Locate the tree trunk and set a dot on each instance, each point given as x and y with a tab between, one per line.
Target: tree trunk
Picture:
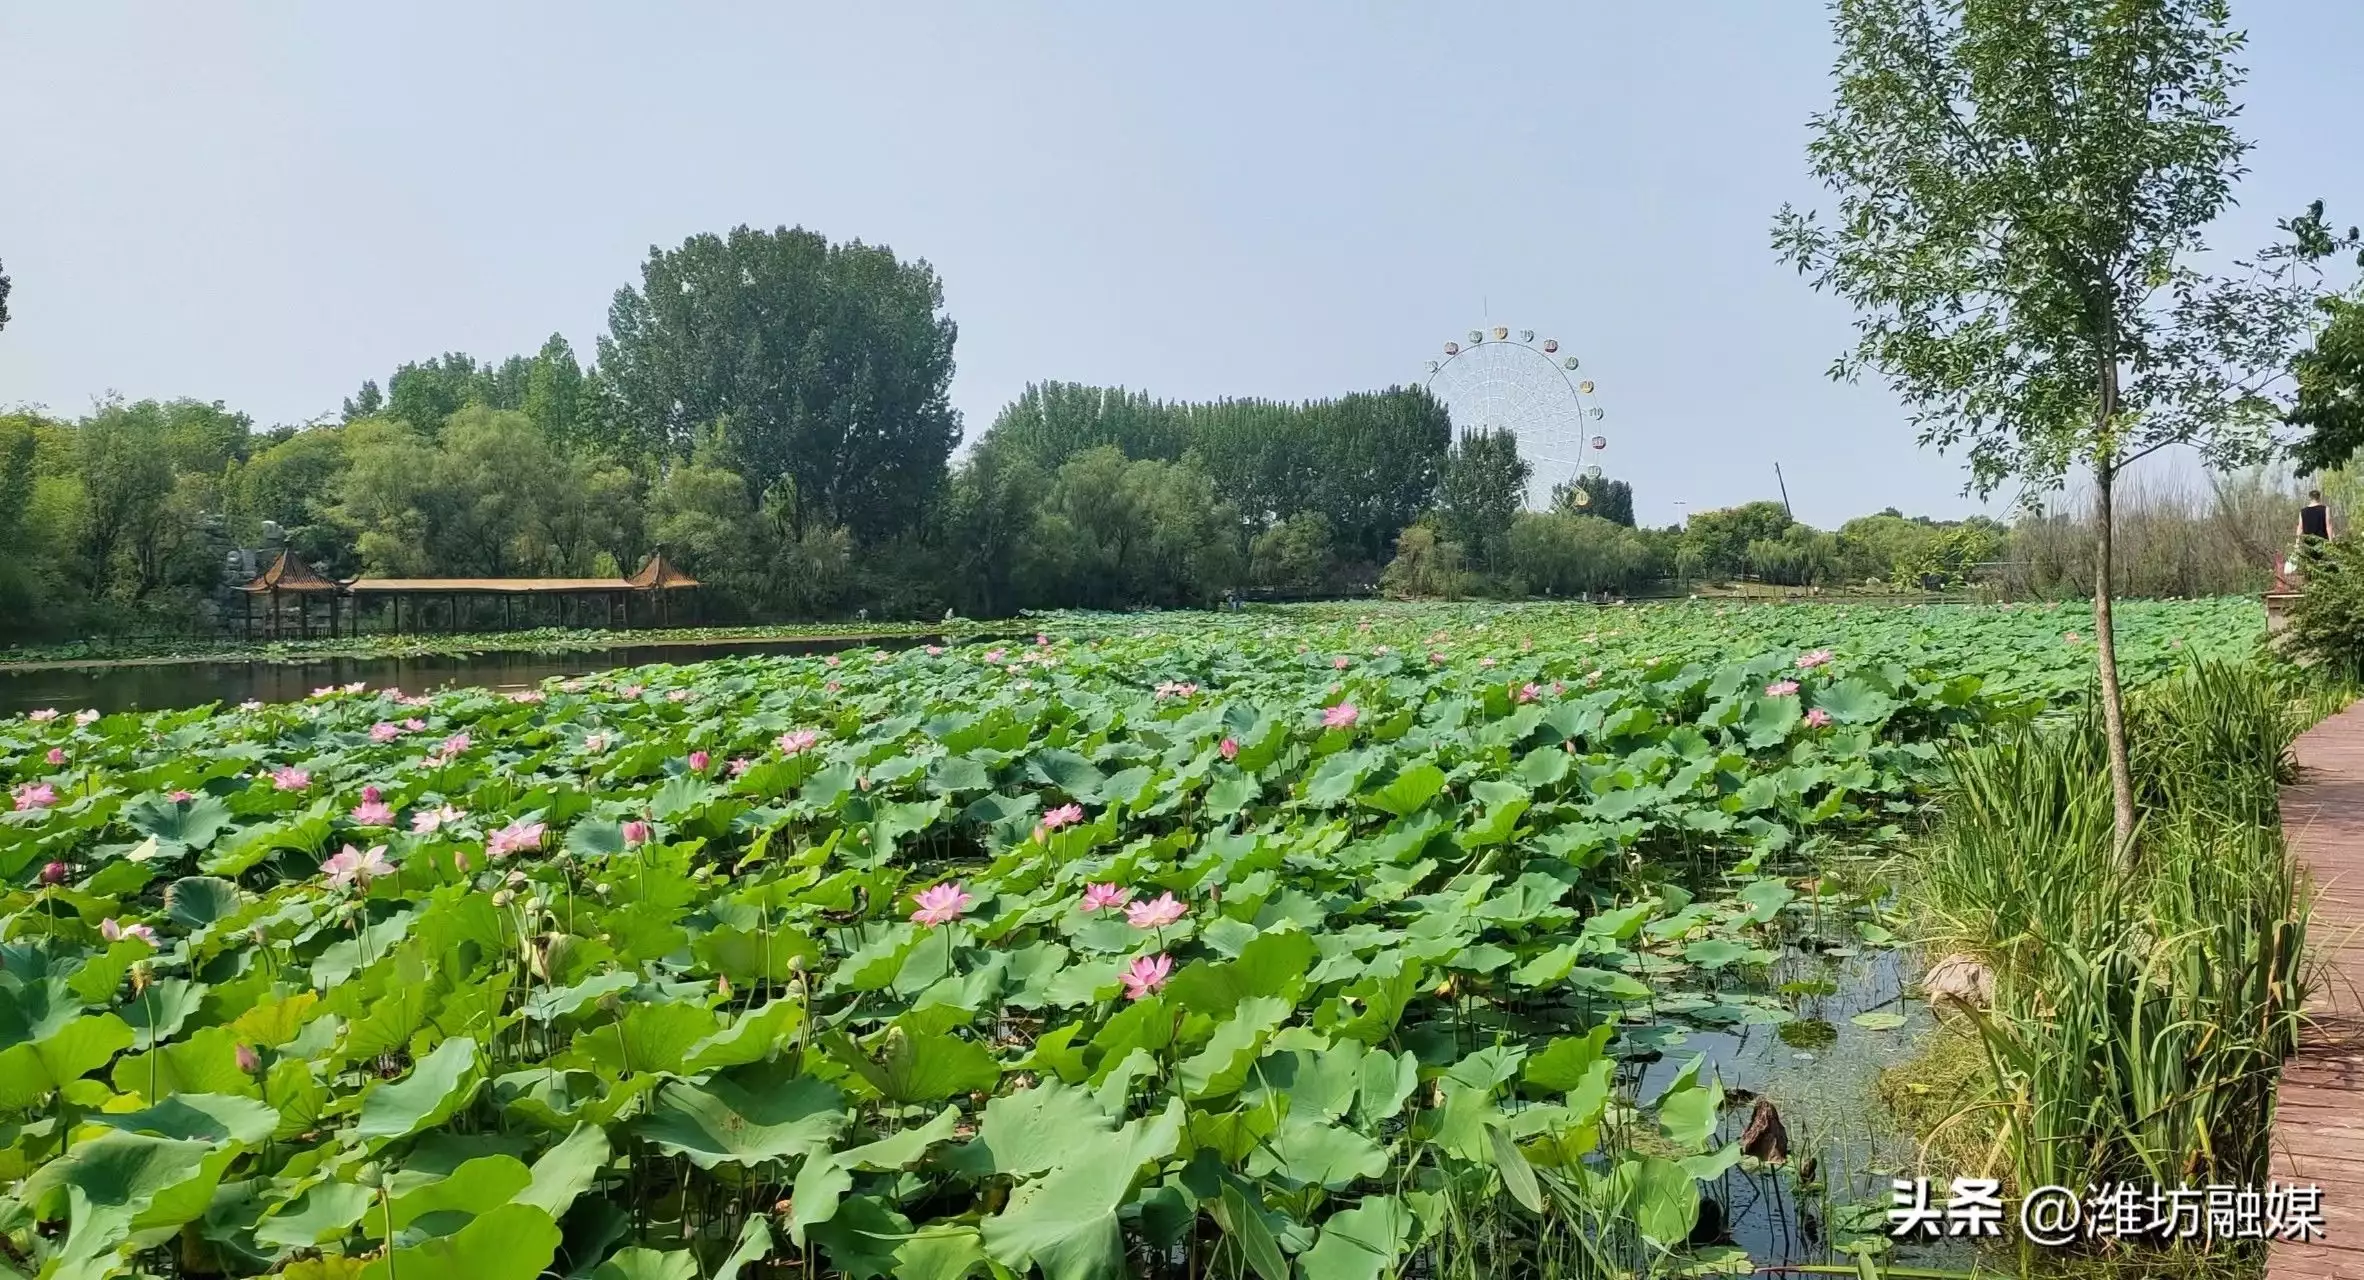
2105	642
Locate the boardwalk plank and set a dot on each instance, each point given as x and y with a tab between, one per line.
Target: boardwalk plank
2319	1116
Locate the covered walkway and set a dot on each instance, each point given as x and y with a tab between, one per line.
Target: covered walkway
410	602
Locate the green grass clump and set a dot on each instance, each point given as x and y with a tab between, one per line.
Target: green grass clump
2143	1005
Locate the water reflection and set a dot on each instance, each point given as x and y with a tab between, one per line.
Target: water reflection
162	686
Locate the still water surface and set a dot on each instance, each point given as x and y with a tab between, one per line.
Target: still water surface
160	686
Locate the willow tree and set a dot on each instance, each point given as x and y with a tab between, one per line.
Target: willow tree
2021	190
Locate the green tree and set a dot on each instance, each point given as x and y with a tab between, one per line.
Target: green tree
1611	500
3	299
829	364
554	393
1425	566
1479	493
1721	538
2022	185
1297	554
2329	405
425	394
125	467
1566	553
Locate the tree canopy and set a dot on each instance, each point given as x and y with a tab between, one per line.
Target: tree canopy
824	366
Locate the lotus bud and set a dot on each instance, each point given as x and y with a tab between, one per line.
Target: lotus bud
635	833
248	1060
54	873
516	878
501	897
724	985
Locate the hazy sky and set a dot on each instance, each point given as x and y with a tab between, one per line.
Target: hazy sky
267	203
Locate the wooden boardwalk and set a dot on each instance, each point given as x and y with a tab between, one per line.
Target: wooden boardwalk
2319	1120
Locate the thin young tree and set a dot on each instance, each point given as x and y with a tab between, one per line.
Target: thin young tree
2022	186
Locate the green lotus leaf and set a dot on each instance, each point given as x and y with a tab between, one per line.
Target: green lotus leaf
1361	1243
436	1088
511	1242
725	1122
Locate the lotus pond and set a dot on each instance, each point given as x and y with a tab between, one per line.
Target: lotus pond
1329	942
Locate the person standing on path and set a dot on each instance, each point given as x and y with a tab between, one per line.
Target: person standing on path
2314	529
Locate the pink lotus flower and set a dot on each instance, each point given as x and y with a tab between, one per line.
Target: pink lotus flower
86	717
1041	640
517	837
1817	717
325	691
373	813
413	725
427	822
251	704
290	778
740	766
248	1060
1103	897
528	696
1435	657
1594	678
1066	815
995	655
1341	716
1781	688
829	661
698	760
941	904
357	686
935	650
595	743
1341	662
832	687
352	865
384	731
1157	913
680	695
181	797
571	686
1818	657
1528	692
635	833
42	716
457	744
631	691
1147	975
57	755
1486	662
55	873
798	741
1228	748
117	931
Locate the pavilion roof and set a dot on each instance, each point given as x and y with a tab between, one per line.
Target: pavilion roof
290	573
658	574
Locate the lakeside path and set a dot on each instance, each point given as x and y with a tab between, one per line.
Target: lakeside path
2319	1118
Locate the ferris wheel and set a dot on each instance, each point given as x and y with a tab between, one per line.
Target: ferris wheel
1497	381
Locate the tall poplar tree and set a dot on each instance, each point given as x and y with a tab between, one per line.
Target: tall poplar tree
2021	190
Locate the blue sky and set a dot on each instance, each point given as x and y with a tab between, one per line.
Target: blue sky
267	203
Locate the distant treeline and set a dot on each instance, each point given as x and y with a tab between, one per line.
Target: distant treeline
773	409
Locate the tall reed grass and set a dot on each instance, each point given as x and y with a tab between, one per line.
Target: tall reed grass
2142	1007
